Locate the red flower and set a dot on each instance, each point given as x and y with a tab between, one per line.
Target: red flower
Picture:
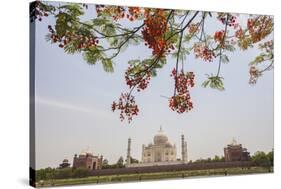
181	102
127	106
219	35
153	32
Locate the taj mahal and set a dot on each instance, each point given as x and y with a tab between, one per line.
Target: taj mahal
161	152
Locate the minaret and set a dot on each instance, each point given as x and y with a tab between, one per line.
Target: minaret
142	156
129	152
183	150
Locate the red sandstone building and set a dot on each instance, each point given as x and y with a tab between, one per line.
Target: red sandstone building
235	152
87	160
64	164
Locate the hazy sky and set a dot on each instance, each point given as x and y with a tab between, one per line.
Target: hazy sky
73	106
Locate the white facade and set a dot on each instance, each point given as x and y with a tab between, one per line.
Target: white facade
161	152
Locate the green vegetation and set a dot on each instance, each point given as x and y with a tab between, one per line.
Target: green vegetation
260	159
153	176
215	159
118	164
263	159
52	173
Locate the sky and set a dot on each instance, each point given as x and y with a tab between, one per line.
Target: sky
73	105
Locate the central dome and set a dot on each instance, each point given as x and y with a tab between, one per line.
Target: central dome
160	138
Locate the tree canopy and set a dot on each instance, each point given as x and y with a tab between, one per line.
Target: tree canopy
168	33
263	159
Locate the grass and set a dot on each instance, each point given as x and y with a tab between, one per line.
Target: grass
153	176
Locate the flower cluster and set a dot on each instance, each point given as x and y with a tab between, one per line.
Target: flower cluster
228	19
119	12
99	8
219	36
183	80
127	106
202	51
244	41
116	12
254	75
140	79
259	28
181	101
134	13
153	32
38	11
267	46
193	28
239	33
81	41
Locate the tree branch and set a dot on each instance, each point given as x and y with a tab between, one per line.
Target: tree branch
269	67
125	41
221	45
177	63
203	24
158	57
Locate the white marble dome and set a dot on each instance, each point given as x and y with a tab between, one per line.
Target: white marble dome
160	138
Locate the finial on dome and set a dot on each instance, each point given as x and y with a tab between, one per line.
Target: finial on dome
234	142
160	128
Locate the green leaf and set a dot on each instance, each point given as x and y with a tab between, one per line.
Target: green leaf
107	65
139	66
133	62
229	47
205	83
134	41
61	24
108	29
100	21
245	43
71	47
113	41
93	55
73	9
162	60
187	37
214	82
224	59
173	38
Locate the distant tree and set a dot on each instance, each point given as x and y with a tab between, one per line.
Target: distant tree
133	160
105	164
270	156
201	160
120	163
177	34
81	172
261	159
216	158
63	173
45	174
